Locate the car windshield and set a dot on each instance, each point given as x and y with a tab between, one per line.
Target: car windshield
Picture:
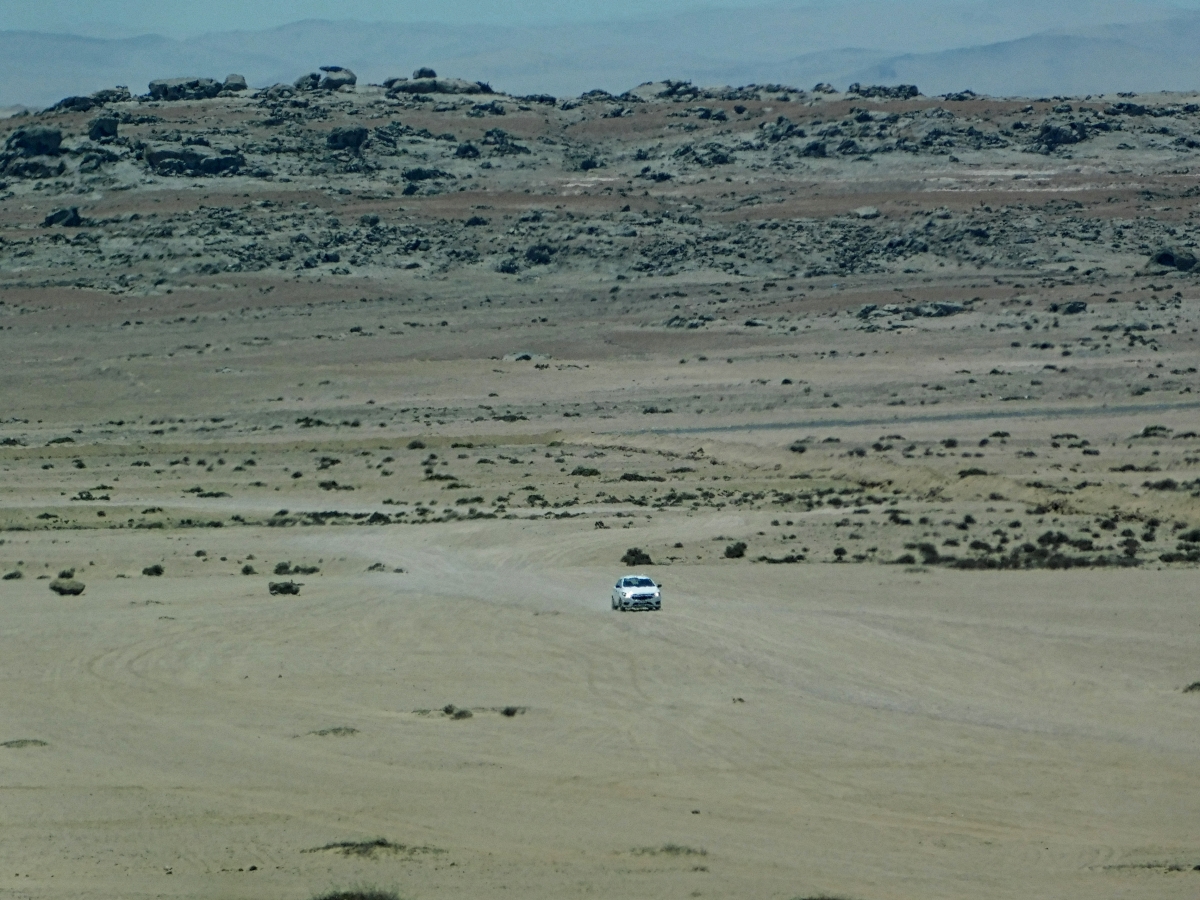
638	582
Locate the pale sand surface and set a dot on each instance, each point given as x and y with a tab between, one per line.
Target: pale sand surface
930	734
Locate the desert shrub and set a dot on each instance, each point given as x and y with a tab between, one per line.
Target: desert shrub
284	587
360	893
636	556
154	570
735	551
248	569
968	473
584	472
14	575
798	447
416	444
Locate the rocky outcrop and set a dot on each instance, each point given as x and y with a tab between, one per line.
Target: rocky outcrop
184	89
350	139
337	77
168	159
37	140
435	86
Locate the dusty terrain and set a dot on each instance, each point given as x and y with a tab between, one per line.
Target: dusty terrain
897	393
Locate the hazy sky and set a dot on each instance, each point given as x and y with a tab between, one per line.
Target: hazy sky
176	18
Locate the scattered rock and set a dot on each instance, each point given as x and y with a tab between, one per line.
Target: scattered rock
351	138
234	83
866	212
166	159
284	587
1174	257
103	128
68	218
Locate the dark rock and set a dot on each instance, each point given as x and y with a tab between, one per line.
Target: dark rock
184	89
75	104
1055	135
824	88
545	99
1174	257
67	587
103	128
351	138
68	218
437	86
467	151
118	94
234	83
882	92
424	72
191	160
284	587
337	77
37	140
1074	308
309	82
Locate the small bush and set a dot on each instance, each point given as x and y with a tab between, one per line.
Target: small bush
968	473
798	447
284	587
363	893
248	569
416	444
1192	688
584	472
636	556
14	575
154	570
67	587
735	551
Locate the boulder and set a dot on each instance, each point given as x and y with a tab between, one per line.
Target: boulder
437	86
67	587
884	92
68	218
337	77
866	212
184	88
234	83
309	82
351	138
424	72
103	128
191	160
37	140
75	104
1174	257
118	94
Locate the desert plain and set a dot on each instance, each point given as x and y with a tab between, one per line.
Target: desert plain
895	395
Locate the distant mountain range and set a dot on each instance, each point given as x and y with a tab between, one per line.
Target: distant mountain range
1021	48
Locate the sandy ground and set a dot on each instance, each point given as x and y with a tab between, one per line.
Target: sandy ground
951	660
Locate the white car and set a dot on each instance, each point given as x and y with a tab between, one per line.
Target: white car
636	592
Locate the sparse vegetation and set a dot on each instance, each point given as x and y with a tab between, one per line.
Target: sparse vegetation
153	571
736	550
636	556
